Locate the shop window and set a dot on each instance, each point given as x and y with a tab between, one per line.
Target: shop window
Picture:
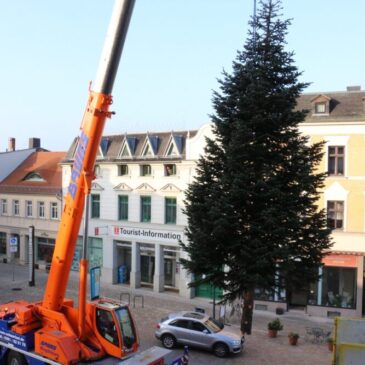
145	209
2	243
123	207
170	170
339	287
122	170
41	210
95	206
16	208
54	211
146	170
336	160
170	210
16	238
44	249
94	252
4	207
335	214
29	208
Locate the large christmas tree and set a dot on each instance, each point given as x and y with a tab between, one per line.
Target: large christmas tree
253	219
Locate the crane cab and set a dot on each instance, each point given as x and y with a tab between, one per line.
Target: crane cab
115	329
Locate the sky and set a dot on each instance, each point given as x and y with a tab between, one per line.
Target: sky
174	53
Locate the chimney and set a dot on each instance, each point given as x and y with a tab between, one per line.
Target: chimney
34	143
353	88
11	144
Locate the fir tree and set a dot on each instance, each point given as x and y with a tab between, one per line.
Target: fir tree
253	219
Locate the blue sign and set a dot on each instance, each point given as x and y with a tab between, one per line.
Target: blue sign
95	274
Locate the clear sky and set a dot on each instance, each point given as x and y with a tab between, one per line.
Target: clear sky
174	53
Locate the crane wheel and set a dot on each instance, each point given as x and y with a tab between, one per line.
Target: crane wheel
15	358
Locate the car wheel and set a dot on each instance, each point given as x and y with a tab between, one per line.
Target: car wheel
168	341
220	349
15	358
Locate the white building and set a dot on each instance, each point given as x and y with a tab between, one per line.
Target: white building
136	219
30	195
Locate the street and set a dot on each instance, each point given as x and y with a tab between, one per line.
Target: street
259	349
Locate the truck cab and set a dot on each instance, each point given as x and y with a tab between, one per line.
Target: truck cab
115	328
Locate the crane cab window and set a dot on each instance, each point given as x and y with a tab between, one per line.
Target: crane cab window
106	326
127	327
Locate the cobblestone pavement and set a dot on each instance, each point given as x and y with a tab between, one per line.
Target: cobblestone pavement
259	349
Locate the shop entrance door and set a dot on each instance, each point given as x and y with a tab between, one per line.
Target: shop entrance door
169	272
147	269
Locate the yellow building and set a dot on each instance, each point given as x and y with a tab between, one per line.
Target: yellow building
338	118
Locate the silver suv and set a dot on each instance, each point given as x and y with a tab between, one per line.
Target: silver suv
198	330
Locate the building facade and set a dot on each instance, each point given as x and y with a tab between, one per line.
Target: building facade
31	196
136	220
338	119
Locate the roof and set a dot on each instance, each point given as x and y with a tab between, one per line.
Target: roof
112	146
10	160
45	166
343	105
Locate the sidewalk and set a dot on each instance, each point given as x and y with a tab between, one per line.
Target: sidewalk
259	350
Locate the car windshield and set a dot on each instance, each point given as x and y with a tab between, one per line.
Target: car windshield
210	323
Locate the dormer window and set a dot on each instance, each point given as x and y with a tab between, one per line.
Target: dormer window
321	105
320	108
34	176
170	169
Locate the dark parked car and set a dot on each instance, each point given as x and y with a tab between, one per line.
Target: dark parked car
198	330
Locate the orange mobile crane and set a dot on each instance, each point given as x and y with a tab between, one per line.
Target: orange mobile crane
54	331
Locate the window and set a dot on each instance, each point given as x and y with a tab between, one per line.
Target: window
105	325
197	326
2	243
95	206
44	249
29	208
146	170
335	213
170	169
336	160
54	211
123	207
320	108
41	210
97	170
338	288
145	209
33	176
170	210
16	207
4	207
122	170
181	323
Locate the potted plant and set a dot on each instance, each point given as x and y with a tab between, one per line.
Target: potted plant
293	338
330	343
274	326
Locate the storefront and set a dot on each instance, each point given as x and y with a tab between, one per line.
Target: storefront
147	257
339	290
171	265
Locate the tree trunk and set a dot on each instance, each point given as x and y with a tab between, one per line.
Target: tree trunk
247	312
